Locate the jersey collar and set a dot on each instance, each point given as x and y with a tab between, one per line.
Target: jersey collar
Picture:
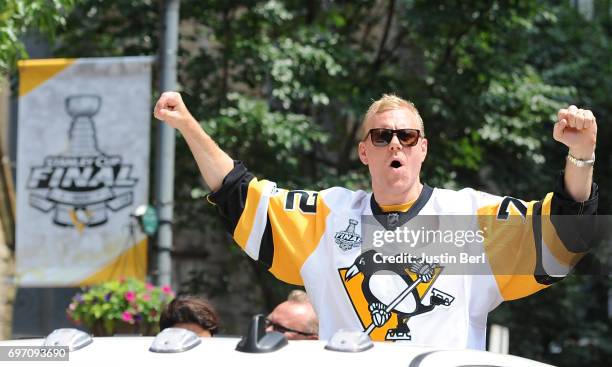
392	220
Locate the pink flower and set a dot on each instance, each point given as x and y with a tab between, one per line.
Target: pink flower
166	289
130	296
149	286
127	317
146	297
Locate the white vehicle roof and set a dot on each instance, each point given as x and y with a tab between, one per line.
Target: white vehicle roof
221	351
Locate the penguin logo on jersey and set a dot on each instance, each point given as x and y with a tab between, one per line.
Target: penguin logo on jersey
348	239
386	295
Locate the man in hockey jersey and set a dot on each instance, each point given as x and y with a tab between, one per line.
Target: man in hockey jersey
315	238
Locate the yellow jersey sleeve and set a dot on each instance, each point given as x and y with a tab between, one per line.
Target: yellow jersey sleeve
524	247
277	227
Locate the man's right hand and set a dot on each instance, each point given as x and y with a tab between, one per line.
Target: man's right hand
171	109
214	164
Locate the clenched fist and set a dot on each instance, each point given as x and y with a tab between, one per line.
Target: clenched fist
577	129
171	109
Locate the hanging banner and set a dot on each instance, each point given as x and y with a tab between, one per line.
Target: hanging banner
82	169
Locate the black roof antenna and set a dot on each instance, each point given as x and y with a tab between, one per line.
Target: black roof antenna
258	341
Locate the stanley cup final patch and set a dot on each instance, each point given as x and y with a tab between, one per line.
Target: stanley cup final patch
80	184
348	239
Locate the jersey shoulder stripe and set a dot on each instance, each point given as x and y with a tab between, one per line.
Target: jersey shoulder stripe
297	225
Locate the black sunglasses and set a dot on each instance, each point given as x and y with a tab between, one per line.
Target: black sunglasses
382	137
281	329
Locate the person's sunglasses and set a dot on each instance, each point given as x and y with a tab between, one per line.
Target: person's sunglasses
281	329
382	137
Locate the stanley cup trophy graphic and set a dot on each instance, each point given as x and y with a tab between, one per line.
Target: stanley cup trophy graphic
348	238
82	133
83	182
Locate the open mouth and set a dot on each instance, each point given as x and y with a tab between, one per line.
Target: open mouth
396	164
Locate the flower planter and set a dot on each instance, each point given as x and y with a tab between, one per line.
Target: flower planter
124	306
124	328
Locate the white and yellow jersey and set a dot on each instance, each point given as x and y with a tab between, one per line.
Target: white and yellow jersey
314	239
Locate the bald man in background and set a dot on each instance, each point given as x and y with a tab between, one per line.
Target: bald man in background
296	318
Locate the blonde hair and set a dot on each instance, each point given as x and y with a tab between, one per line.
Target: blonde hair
386	103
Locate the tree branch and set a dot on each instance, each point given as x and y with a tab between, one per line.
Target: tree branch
226	51
390	11
312	8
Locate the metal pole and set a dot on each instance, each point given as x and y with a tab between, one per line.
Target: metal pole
164	162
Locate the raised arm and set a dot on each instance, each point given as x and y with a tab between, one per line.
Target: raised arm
214	163
577	129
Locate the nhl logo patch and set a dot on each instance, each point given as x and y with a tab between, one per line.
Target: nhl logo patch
392	220
348	238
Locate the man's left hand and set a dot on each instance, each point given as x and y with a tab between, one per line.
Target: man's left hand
577	129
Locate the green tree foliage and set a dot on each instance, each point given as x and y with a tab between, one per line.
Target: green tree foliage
283	86
19	16
574	326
